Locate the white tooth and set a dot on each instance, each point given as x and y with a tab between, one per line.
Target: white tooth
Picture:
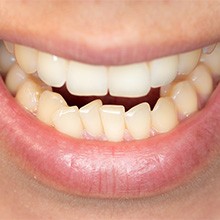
9	46
202	81
26	58
113	121
213	60
138	121
52	69
67	121
28	95
6	60
188	61
91	118
15	78
164	115
163	70
209	49
129	80
49	103
185	98
85	80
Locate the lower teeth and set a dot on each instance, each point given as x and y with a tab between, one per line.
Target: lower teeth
179	99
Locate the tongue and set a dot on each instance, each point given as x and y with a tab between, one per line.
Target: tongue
80	101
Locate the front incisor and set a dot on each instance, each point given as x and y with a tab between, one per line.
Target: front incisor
91	118
138	121
113	121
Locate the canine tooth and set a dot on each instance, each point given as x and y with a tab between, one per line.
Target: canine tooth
188	61
113	121
67	120
202	81
129	80
209	49
164	115
9	46
85	80
185	98
138	121
49	103
52	69
163	70
14	78
28	95
26	58
91	118
6	60
212	60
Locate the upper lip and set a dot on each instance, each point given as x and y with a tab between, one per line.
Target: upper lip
105	54
109	47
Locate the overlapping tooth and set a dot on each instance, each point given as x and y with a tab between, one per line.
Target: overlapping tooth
113	121
188	61
52	69
91	118
85	79
15	78
49	103
163	70
6	59
28	94
164	115
129	80
185	98
138	121
26	58
212	60
67	120
202	80
9	46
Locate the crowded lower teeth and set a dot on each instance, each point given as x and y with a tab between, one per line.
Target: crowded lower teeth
186	81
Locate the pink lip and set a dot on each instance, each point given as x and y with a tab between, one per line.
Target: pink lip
105	169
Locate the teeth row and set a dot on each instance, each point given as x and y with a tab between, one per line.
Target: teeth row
178	100
81	79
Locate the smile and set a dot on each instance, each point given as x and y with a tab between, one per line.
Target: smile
110	130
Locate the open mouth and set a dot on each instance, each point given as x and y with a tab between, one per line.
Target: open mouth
110	131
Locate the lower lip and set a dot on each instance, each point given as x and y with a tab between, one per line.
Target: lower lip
104	169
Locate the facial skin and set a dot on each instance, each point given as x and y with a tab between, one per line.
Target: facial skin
104	32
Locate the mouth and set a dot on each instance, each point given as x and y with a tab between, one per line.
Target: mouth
122	131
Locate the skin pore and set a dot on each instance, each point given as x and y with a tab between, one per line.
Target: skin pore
109	32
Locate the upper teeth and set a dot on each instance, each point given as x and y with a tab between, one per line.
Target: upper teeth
133	80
